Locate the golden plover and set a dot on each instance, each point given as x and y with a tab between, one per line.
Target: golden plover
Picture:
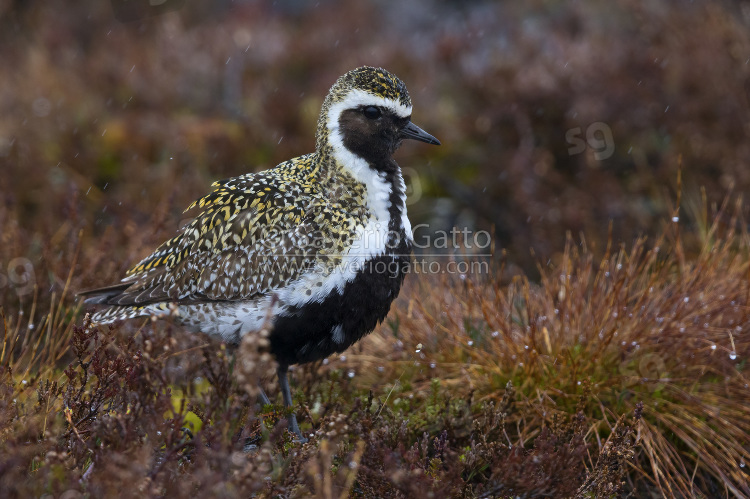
320	243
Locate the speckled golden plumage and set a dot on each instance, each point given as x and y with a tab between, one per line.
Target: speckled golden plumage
253	231
252	236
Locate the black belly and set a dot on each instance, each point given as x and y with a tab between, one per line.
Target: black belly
304	334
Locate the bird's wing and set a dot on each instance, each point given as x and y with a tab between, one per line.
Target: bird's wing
252	236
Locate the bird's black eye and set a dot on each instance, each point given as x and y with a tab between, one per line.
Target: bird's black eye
372	112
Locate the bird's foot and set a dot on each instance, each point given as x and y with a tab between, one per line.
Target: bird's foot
294	428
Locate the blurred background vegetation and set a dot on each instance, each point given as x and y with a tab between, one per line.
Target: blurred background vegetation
111	126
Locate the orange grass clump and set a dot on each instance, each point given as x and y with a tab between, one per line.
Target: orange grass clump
646	324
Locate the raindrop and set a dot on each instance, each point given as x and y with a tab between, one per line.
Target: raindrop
470	342
41	107
381	369
675	219
732	355
433	365
350	374
686	299
682	329
495	334
325	362
342	358
713	347
742	464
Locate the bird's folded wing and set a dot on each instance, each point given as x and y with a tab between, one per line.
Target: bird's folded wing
251	237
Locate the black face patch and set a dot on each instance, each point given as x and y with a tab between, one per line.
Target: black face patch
374	139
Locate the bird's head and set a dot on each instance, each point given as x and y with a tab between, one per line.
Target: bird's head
367	113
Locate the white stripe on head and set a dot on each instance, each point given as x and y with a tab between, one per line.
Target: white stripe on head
358	98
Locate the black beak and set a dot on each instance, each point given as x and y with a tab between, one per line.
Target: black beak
412	131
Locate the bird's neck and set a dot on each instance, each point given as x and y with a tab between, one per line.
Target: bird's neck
384	185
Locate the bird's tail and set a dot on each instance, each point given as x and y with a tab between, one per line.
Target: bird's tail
102	296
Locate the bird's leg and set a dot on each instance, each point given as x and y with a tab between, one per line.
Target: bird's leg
262	397
287	396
